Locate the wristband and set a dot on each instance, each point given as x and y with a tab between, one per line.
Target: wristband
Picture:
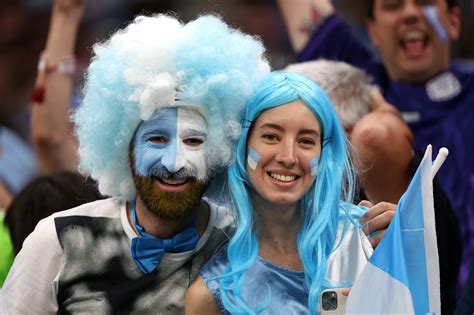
65	66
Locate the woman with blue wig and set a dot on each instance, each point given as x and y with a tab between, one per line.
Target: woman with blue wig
291	185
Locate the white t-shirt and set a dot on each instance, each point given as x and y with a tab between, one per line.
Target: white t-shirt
79	260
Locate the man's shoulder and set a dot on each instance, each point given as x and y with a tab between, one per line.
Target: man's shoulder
221	216
463	67
220	229
100	208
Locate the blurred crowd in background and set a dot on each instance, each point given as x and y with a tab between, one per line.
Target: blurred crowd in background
24	30
24	25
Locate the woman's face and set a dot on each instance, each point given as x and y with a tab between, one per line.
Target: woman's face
283	151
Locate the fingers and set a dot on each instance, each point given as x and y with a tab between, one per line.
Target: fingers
376	220
345	291
376	211
366	203
380	222
375	240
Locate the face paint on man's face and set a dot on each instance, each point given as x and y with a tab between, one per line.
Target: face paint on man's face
313	165
432	15
252	158
168	162
171	145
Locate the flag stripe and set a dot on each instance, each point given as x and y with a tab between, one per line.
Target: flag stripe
404	269
382	296
431	248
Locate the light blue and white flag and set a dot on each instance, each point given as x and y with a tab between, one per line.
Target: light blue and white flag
402	275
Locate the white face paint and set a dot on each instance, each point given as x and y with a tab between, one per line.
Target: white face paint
432	15
313	165
172	140
252	158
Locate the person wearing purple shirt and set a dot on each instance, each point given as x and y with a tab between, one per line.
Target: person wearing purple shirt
415	73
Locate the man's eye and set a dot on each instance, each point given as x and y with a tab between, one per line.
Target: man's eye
193	142
158	140
392	4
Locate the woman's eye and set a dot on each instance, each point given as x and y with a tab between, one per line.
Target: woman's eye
158	140
193	142
308	142
270	137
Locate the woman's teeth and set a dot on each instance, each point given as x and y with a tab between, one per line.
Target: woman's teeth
282	178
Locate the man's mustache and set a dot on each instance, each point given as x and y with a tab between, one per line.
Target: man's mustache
162	172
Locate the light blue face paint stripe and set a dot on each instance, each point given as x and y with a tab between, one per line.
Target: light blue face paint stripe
253	158
169	158
432	15
147	155
313	165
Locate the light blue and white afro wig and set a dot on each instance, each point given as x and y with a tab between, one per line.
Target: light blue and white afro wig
154	60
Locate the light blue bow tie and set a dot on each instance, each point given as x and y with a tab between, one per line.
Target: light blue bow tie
148	250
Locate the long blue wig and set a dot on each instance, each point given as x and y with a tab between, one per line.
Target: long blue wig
321	204
148	65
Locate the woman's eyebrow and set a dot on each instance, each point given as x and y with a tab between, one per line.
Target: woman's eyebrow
280	128
272	125
309	131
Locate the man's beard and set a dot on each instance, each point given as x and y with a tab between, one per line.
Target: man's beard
169	205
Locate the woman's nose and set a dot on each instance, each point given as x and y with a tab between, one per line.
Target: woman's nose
286	154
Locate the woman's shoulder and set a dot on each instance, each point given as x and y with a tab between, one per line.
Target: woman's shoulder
216	265
199	299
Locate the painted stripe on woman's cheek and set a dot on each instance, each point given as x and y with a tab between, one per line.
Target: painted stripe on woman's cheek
313	165
253	158
432	15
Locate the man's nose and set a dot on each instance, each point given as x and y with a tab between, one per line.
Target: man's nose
170	160
411	11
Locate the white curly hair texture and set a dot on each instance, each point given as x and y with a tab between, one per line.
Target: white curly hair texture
206	64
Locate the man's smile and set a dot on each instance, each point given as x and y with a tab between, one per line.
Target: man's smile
172	185
414	43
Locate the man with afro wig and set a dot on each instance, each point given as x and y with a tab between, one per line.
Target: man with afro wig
160	113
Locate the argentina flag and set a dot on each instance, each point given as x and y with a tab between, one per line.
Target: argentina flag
402	275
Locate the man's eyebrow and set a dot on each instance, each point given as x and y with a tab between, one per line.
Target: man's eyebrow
194	131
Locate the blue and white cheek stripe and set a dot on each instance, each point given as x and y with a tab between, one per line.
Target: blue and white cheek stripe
253	158
432	15
313	166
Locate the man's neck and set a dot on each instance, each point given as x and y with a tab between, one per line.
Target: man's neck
166	228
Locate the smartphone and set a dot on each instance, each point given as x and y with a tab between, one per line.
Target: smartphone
332	301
